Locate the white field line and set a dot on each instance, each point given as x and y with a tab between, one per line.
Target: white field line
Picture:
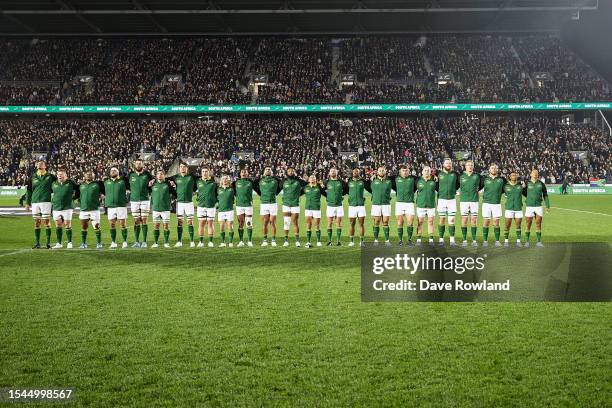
582	211
15	252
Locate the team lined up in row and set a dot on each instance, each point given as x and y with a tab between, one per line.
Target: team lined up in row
54	195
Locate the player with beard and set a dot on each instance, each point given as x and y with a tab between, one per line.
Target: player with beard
139	202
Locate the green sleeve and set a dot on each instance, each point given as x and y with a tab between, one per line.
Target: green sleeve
29	191
545	195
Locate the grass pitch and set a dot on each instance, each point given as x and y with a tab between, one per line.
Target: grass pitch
286	327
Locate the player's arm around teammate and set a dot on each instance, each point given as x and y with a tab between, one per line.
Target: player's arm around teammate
536	193
226	197
207	201
115	201
405	185
426	204
448	184
312	208
356	209
64	192
90	192
185	185
244	188
381	203
38	200
162	191
513	191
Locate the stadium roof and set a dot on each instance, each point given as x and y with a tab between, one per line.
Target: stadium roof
220	17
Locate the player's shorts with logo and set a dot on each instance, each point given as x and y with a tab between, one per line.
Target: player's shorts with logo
93	216
140	207
530	211
163	216
117	213
426	212
380	210
226	216
185	210
65	215
292	210
268	209
447	207
491	210
42	210
404	209
335	211
312	213
244	210
357	211
469	208
513	214
205	213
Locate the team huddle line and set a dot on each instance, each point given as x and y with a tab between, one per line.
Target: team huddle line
417	197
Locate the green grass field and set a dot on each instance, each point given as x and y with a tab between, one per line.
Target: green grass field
286	327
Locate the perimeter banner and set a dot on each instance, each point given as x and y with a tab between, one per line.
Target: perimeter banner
574	272
307	108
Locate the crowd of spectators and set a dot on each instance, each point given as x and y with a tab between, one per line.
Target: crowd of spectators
217	70
311	144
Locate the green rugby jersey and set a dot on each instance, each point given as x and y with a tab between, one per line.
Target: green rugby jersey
161	195
292	190
38	188
63	194
244	192
404	188
335	191
89	195
185	187
470	185
312	195
356	192
448	184
381	191
139	185
225	197
514	196
426	193
115	192
268	187
493	189
207	193
535	193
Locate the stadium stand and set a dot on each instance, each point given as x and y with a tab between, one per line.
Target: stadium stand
218	70
311	144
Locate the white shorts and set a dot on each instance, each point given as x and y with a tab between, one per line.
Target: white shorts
163	216
469	208
530	211
332	211
66	215
226	216
447	207
205	213
426	212
292	210
378	210
117	213
357	211
268	209
404	209
41	210
491	210
513	214
185	210
93	216
244	210
312	213
140	207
